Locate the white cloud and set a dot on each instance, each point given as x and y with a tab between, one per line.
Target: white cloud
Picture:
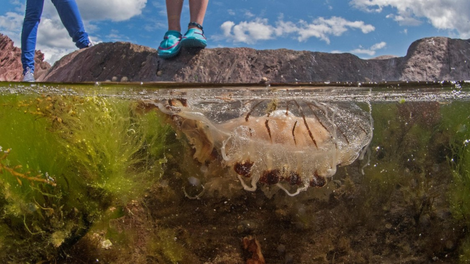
321	28
52	55
248	14
114	35
54	34
10	25
283	27
227	28
378	46
53	39
407	20
248	32
441	14
11	21
115	10
370	51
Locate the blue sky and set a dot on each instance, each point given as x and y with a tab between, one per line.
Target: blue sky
366	28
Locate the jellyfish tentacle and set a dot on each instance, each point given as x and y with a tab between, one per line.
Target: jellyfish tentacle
223	151
195	197
245	186
299	190
366	149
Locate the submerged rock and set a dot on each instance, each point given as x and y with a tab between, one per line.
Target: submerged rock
428	59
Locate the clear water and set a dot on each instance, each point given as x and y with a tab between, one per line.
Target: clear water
98	173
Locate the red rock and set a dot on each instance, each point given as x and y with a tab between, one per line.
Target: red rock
10	61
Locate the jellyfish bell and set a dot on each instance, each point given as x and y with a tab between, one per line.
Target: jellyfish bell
291	144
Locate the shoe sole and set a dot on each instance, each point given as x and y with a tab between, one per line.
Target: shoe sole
167	56
170	55
193	43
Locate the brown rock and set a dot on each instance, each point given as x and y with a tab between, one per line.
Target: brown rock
429	59
106	61
437	59
10	61
252	247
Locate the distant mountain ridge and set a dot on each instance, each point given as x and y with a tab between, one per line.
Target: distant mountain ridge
427	59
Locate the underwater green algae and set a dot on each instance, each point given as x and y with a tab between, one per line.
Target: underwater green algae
458	126
397	211
403	194
64	161
400	155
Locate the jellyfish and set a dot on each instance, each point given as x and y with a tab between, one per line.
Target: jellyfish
291	143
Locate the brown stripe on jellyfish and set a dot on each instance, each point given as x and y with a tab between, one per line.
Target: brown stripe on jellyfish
252	109
293	133
269	130
306	124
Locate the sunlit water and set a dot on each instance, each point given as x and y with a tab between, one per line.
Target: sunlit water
169	173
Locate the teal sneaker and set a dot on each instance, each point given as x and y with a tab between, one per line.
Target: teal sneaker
194	38
170	46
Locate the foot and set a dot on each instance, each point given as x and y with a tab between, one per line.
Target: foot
84	43
90	43
29	76
194	38
170	46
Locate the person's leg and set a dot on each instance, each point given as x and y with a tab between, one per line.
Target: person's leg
197	11
31	21
170	46
194	37
173	10
70	17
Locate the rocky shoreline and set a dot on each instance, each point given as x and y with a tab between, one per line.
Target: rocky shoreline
427	59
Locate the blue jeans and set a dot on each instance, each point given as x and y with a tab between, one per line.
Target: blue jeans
70	17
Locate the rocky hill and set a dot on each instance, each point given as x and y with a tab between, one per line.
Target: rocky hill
10	61
428	59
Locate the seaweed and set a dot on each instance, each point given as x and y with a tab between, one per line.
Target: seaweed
64	161
457	125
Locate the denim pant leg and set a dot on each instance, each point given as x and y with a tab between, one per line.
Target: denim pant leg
29	32
70	16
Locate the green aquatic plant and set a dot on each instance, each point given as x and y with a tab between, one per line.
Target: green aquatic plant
457	125
402	160
64	161
18	175
107	140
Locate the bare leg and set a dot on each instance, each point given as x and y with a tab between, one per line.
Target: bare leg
173	9
197	11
